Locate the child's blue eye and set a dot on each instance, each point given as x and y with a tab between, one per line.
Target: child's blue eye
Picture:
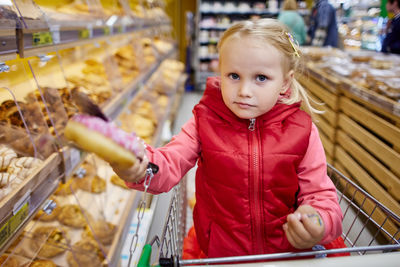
261	78
234	76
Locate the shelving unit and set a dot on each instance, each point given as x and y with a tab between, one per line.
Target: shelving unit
214	17
38	44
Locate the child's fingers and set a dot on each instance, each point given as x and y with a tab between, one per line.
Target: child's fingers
313	224
296	229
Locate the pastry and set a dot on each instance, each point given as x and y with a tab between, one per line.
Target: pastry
49	240
72	215
67	188
6	156
104	139
7	261
7	183
115	179
93	184
42	263
85	252
100	230
24	166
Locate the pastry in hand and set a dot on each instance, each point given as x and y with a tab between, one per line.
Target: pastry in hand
104	139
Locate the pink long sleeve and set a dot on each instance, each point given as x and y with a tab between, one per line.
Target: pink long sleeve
317	189
174	159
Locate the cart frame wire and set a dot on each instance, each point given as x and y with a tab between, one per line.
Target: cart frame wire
368	227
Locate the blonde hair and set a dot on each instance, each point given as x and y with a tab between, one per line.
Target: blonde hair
289	5
275	33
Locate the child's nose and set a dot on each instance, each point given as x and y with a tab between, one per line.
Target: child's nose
245	89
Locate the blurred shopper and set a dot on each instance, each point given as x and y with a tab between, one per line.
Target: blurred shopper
391	42
293	20
323	30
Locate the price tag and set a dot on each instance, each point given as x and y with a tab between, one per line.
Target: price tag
42	38
8	229
107	30
84	34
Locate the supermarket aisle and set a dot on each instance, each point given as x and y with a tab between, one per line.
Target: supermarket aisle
185	111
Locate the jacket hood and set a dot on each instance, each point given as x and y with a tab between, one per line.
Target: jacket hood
212	98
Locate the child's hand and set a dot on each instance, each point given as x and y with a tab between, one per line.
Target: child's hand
304	228
133	174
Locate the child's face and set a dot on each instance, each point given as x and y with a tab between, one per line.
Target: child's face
251	76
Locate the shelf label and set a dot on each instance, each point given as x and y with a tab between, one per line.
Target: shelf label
42	38
84	34
107	30
8	229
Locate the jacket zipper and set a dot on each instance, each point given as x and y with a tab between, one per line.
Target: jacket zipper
258	236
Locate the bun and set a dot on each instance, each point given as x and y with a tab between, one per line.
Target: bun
72	215
85	252
42	263
93	184
100	230
55	241
8	261
104	139
6	156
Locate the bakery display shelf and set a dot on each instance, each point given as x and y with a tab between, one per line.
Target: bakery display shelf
17	209
115	107
32	42
42	183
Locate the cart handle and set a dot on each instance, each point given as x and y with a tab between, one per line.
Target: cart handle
144	260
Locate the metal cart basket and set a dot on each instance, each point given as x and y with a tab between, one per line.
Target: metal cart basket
368	227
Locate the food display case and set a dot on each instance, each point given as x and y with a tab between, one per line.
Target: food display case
67	207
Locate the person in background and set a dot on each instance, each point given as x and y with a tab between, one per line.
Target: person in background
391	42
323	29
261	182
291	18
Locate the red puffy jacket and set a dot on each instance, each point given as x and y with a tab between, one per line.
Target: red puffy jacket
246	180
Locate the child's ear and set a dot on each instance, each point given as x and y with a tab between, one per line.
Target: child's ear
287	81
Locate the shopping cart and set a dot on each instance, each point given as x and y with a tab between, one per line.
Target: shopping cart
368	228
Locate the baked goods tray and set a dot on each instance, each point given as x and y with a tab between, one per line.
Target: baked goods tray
17	208
115	205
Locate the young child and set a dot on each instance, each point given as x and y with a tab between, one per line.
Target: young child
261	181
